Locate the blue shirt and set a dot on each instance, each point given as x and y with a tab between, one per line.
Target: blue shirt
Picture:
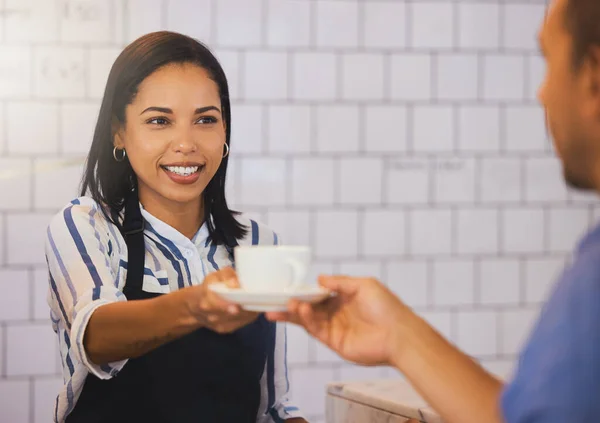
558	375
87	266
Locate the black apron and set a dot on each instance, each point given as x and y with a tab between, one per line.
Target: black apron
200	377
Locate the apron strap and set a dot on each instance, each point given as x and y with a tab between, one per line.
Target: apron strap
133	231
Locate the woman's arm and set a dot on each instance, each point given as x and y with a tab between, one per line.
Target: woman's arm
121	330
130	329
103	327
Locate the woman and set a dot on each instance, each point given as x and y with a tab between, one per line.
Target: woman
141	337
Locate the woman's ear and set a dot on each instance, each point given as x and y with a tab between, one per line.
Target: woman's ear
118	140
118	136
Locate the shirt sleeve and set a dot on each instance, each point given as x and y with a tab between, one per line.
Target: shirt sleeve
276	385
81	278
557	377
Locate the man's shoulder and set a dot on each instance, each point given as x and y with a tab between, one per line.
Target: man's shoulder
552	377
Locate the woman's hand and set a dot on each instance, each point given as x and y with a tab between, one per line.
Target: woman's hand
212	311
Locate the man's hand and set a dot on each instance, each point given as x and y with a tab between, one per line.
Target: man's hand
360	323
366	324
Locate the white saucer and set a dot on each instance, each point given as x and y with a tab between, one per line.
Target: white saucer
269	300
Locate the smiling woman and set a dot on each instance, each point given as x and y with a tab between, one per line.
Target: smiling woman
141	336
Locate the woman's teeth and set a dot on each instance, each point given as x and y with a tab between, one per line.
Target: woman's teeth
183	171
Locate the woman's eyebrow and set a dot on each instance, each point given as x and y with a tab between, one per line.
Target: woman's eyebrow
169	111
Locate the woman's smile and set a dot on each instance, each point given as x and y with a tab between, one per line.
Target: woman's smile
183	173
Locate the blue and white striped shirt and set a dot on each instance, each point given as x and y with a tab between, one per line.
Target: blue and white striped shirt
87	263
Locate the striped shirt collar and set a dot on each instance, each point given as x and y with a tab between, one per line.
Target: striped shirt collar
160	228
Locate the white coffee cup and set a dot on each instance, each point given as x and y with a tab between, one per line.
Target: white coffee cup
271	267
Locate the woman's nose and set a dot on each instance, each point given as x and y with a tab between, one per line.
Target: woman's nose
184	144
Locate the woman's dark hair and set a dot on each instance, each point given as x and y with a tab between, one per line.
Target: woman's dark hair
583	22
109	182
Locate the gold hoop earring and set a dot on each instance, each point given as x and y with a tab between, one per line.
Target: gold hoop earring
226	150
122	155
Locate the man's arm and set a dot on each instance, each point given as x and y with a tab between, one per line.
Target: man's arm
365	323
451	382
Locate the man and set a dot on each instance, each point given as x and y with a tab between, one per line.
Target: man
558	376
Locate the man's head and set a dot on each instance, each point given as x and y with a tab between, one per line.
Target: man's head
570	93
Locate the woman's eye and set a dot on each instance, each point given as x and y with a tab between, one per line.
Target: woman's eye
207	119
158	121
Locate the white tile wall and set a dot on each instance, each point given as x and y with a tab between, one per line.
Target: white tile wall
433	137
334	137
384	233
503	77
304	85
409	280
313	181
288	23
410	76
44	390
16	67
337	23
30	21
500	180
100	61
407	181
432	25
430	232
247	136
180	18
360	180
59	72
453	282
312	401
499	281
39	295
479	25
31	350
386	128
522	34
19	194
523	230
265	76
515	327
478	332
14	302
384	24
2	240
76	126
479	128
290	129
399	139
525	129
86	21
25	234
55	187
455	180
477	231
23	135
540	275
362	76
457	76
238	24
15	400
336	234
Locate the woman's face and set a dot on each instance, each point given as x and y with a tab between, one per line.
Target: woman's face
174	134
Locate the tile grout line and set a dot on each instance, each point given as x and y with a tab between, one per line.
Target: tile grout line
31	399
4	363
